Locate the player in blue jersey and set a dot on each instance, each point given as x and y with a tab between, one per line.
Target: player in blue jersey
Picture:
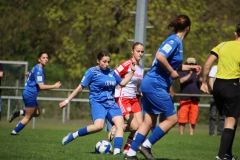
101	82
34	84
155	86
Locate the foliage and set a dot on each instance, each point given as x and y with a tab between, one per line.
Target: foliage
74	31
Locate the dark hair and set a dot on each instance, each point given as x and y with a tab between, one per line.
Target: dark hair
135	44
102	54
237	30
179	23
41	53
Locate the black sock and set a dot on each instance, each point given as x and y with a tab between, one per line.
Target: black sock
226	139
229	150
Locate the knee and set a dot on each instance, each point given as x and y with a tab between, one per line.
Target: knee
134	127
98	128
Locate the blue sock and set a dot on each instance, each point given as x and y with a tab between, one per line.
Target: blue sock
83	131
137	141
118	141
18	127
157	134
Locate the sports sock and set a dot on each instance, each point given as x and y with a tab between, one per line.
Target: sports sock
157	134
118	141
128	143
225	141
229	150
138	140
22	112
18	128
82	132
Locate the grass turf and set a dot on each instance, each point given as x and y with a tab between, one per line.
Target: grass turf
44	142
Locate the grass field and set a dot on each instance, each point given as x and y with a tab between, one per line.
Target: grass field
44	142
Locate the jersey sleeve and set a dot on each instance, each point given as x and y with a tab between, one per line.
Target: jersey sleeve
168	47
87	78
218	47
213	72
122	69
38	75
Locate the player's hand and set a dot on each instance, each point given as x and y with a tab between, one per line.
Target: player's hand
197	69
204	88
174	74
58	84
27	74
133	67
62	104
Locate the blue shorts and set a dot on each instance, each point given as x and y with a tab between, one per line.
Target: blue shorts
98	111
29	99
158	103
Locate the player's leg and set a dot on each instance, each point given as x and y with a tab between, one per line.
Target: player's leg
98	113
29	111
137	120
115	115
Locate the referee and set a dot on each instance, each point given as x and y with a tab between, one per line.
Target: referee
226	89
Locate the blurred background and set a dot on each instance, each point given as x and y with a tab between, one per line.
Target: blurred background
73	32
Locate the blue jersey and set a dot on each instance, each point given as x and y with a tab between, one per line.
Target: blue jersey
157	77
101	84
36	76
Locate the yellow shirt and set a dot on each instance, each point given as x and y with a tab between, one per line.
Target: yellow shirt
228	60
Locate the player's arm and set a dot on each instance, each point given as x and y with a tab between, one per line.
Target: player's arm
162	60
210	82
129	76
43	86
71	96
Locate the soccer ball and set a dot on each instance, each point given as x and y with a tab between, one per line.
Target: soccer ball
103	147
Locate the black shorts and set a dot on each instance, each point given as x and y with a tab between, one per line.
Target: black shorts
226	94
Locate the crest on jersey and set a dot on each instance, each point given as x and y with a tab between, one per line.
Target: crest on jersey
39	78
110	75
120	68
167	48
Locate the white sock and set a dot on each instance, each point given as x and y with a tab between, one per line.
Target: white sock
75	134
21	112
147	144
131	152
116	151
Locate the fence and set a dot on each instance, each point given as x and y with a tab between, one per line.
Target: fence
66	110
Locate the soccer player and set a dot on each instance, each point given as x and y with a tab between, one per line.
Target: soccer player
126	96
34	84
155	87
226	89
101	82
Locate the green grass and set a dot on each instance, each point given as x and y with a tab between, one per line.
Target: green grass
44	143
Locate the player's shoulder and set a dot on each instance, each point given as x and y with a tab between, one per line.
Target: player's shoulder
126	63
38	68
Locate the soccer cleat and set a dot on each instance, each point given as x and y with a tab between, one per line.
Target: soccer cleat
12	134
14	115
67	139
111	133
126	148
146	152
229	157
217	158
130	157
